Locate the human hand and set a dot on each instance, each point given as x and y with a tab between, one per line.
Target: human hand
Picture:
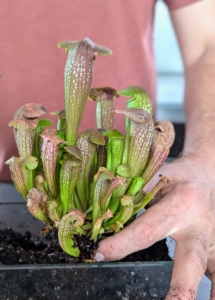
186	213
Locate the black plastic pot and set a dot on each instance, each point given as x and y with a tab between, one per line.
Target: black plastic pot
84	281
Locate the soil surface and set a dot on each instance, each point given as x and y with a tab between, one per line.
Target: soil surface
16	248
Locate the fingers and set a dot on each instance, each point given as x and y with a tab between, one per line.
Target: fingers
210	272
212	277
150	227
190	262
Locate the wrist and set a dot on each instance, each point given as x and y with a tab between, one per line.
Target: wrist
203	154
199	141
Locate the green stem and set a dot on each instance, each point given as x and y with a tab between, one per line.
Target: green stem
103	189
127	142
87	226
117	195
31	180
69	175
37	149
135	186
89	210
99	114
150	195
109	157
108	225
76	201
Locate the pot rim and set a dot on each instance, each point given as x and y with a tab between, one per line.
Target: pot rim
87	265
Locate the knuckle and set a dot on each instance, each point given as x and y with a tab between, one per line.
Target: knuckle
189	196
197	259
144	235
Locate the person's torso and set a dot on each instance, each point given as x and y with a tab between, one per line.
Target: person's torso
33	66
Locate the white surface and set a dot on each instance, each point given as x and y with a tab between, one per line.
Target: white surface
170	85
170	88
168	58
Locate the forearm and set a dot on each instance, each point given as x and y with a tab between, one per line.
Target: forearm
199	105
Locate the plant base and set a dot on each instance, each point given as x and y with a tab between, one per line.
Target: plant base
119	280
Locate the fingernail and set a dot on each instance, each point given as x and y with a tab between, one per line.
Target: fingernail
99	256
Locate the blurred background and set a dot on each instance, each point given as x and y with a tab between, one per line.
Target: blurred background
170	91
169	67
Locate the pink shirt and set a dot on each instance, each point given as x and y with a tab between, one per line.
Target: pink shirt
33	66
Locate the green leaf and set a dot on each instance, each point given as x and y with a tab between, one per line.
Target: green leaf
77	81
124	171
41	124
74	151
140	98
30	162
135	186
114	134
67	227
44	123
61	135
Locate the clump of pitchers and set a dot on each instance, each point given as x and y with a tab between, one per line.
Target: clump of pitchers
93	183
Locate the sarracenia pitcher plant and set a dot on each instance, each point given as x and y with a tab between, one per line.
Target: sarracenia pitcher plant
91	184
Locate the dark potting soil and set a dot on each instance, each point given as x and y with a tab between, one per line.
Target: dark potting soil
16	248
